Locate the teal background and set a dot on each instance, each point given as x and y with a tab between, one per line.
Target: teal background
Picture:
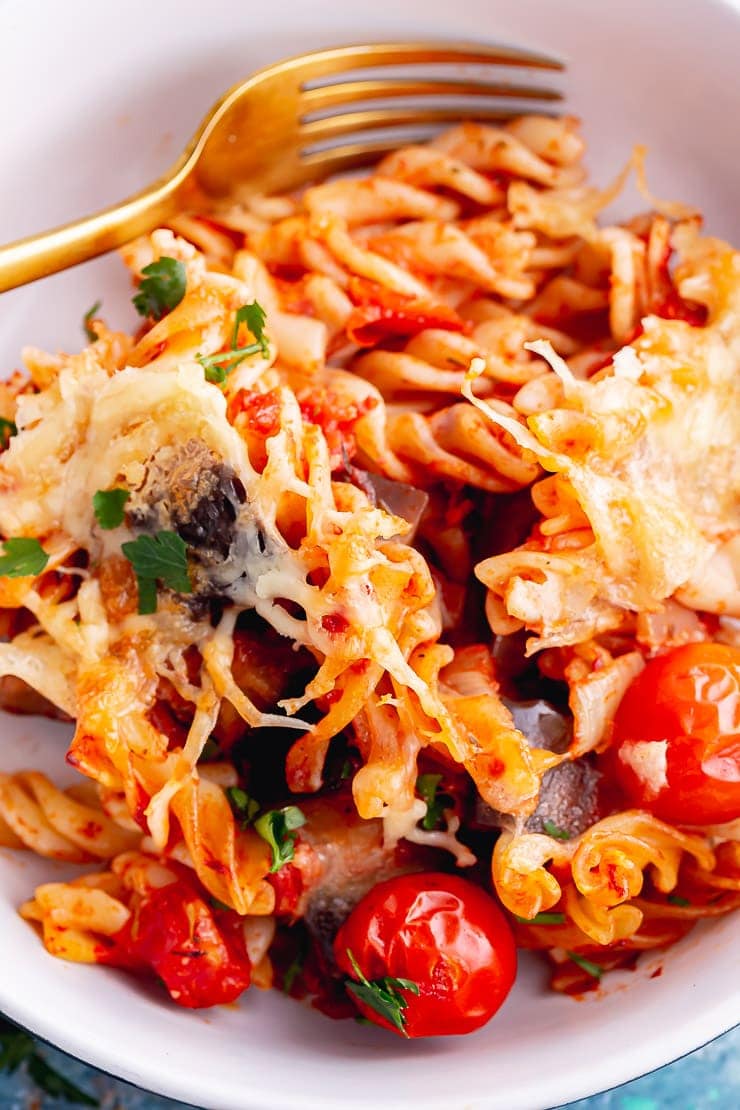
708	1079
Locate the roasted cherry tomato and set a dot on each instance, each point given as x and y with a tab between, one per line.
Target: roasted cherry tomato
199	954
435	934
677	736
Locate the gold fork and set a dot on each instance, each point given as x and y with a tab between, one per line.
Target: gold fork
266	135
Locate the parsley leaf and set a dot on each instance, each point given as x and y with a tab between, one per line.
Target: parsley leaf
21	557
542	919
253	315
292	972
277	827
108	507
147	588
244	807
88	318
678	900
218	905
217	367
345	771
162	287
8	428
214	373
587	965
162	557
427	786
555	831
17	1047
49	1080
382	995
211	750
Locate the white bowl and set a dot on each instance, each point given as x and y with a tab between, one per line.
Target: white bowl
97	99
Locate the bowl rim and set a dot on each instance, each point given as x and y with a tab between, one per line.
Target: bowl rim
621	1066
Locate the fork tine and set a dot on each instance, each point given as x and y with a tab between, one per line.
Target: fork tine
317	130
348	157
325	63
345	92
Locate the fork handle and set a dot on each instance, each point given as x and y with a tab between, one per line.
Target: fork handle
37	256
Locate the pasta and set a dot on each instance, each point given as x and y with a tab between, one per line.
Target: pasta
350	563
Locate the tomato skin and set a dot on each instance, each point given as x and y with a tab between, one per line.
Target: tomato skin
443	933
688	701
381	314
198	953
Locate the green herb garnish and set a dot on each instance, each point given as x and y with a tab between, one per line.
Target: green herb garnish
17	1047
278	828
158	558
346	770
382	995
244	807
555	831
217	367
211	750
88	318
253	315
218	905
588	966
292	972
678	900
162	288
427	787
147	588
108	507
8	428
542	919
21	557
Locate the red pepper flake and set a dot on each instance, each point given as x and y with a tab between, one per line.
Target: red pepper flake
496	767
335	624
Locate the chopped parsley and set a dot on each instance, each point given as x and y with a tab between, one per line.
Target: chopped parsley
595	970
278	827
427	787
678	900
218	905
555	831
245	809
8	428
253	315
292	971
217	367
211	750
108	505
88	318
21	557
158	558
542	919
382	995
345	771
18	1047
161	289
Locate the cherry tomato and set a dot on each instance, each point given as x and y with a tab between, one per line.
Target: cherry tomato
442	934
199	954
677	736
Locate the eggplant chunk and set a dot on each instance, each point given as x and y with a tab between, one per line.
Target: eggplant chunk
569	795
